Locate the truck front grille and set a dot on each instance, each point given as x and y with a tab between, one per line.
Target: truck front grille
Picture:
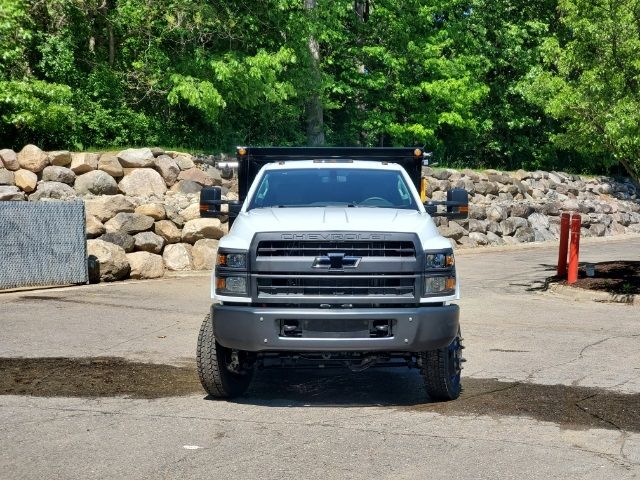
336	286
282	248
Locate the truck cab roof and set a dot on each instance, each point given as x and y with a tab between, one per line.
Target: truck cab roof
331	163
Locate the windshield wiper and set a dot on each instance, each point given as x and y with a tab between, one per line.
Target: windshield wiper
348	205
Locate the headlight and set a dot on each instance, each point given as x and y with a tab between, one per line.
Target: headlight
439	285
231	285
232	260
440	274
230	274
437	261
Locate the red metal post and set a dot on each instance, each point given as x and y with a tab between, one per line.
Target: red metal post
564	245
574	249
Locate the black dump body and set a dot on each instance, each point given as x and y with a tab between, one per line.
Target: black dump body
252	159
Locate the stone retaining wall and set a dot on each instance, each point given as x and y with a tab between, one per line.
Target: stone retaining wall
516	207
142	205
143	216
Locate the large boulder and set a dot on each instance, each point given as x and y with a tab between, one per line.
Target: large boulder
142	182
83	162
184	161
168	168
124	240
196	175
178	257
7	177
453	230
93	226
109	163
597	230
199	228
136	158
204	254
539	221
32	158
53	190
107	207
496	213
149	242
153	210
186	186
145	265
480	226
107	261
478	238
521	210
511	224
10	192
9	159
174	215
215	175
494	239
96	182
168	230
191	212
525	234
129	223
60	158
55	173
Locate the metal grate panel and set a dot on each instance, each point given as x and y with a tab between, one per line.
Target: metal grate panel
278	248
42	243
336	286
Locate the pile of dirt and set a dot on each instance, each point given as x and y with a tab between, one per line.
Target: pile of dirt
619	277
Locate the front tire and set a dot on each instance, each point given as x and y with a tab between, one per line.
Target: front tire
214	362
441	371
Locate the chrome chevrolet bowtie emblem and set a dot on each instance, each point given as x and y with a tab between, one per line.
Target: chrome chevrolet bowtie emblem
336	261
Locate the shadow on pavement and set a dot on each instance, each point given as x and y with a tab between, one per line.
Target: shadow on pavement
400	389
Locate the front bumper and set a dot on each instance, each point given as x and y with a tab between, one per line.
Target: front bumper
258	329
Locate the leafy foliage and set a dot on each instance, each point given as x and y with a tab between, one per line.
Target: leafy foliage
589	80
505	83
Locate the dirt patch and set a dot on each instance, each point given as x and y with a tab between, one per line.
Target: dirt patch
571	407
619	278
94	377
567	406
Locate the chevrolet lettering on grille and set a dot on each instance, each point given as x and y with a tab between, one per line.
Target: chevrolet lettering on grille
336	261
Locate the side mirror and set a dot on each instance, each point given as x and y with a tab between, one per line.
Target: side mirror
457	204
210	201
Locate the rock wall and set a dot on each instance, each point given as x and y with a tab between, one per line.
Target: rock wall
517	207
142	205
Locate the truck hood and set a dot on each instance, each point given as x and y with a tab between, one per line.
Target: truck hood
320	219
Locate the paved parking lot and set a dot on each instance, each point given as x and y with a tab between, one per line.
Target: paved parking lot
552	389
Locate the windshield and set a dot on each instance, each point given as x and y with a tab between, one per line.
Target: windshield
322	187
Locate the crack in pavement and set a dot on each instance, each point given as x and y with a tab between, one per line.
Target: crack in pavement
578	357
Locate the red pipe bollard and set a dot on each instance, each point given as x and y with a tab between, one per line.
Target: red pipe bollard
564	245
574	249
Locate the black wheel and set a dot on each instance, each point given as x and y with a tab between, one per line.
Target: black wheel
224	373
441	370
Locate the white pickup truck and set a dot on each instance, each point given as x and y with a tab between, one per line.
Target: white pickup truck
332	260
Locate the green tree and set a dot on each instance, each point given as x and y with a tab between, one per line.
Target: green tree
589	80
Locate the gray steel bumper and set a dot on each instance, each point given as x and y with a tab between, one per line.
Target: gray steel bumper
258	329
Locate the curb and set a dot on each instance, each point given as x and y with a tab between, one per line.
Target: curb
540	245
579	294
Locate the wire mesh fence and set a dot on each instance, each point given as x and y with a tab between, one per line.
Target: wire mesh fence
42	243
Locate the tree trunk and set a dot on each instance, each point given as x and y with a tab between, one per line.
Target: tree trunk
112	45
314	110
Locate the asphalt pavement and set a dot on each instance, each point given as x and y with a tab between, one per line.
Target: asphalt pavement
552	388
